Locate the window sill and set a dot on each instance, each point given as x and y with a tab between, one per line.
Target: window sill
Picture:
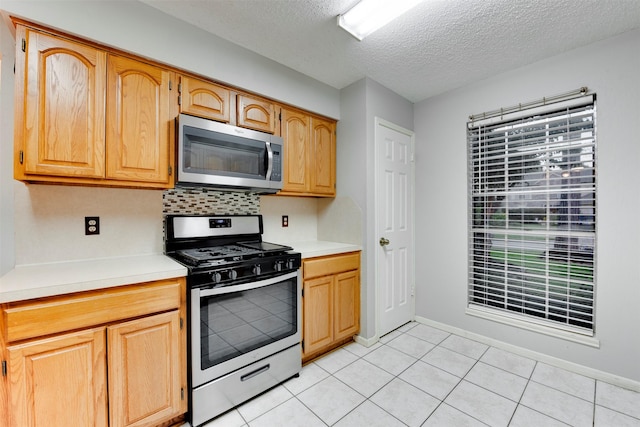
534	327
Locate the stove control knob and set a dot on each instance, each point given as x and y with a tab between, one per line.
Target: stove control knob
257	269
233	274
278	266
216	277
290	263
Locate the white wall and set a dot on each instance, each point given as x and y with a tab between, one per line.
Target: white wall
303	218
361	103
7	249
49	223
609	68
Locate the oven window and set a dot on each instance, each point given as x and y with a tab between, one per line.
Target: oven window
221	154
237	323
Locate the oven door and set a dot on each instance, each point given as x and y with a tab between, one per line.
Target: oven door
236	325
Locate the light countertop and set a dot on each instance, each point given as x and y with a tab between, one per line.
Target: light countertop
316	248
43	280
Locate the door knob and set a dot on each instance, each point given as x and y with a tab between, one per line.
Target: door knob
384	242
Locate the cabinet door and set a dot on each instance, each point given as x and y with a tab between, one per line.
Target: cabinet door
317	308
145	386
138	121
59	381
204	99
346	304
295	133
64	106
254	113
322	164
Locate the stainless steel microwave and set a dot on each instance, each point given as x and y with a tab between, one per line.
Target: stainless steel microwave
227	157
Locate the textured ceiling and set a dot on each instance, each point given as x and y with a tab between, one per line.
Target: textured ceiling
438	46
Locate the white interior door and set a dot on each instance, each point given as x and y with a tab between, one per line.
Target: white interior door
394	225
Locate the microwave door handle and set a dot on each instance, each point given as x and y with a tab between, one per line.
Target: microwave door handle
269	161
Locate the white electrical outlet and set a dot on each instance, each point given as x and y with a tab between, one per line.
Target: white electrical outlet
91	225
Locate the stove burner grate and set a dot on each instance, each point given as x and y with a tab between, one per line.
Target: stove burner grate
201	255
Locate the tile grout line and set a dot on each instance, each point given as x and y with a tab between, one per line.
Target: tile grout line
595	396
388	343
394	376
412	364
519	402
295	396
456	386
356	391
441	402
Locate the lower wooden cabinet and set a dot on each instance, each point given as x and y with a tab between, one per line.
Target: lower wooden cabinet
331	302
144	370
129	371
59	381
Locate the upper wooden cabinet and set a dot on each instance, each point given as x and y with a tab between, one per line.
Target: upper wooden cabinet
91	115
309	168
60	106
256	113
138	118
204	99
86	116
322	162
295	128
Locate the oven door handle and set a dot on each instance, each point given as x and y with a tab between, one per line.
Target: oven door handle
247	286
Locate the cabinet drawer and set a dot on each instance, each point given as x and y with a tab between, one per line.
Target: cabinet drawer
64	313
323	266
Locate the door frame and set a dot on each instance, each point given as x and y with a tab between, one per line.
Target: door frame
379	122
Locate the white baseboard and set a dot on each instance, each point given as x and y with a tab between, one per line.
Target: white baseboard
367	342
540	357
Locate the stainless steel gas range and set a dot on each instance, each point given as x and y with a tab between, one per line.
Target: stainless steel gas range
244	309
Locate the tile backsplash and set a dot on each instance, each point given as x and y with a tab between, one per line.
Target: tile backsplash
204	201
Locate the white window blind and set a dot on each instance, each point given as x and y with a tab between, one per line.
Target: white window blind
532	214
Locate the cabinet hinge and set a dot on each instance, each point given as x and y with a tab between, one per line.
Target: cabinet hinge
179	99
302	344
4	368
170	173
182	393
181	323
24	45
302	291
21	157
180	87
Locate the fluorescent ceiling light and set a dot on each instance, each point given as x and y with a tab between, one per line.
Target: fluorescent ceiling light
369	15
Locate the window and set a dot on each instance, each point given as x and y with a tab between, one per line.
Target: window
532	215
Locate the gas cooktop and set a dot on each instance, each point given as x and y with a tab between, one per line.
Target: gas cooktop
221	254
223	250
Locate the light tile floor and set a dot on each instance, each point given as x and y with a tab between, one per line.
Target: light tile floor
422	376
